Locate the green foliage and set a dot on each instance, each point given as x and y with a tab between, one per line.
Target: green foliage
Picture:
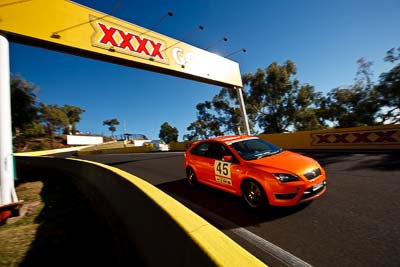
276	102
273	93
32	120
34	130
388	89
23	104
307	115
111	125
206	125
74	116
281	103
356	105
53	117
168	133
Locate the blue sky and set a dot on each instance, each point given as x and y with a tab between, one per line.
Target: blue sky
323	38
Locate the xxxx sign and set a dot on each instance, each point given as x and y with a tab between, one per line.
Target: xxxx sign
114	37
72	28
379	136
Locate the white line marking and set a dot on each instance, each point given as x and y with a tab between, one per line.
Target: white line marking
273	250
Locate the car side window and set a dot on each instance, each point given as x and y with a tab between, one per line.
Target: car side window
201	149
216	151
227	152
212	150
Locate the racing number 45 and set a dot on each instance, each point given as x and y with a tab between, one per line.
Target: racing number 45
222	168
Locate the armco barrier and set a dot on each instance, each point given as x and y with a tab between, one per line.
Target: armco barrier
146	221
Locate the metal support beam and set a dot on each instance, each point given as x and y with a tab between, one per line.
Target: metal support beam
7	190
243	111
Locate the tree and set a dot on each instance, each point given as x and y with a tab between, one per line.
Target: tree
168	133
307	115
111	125
273	99
54	119
275	96
388	90
206	125
24	112
354	106
74	116
277	102
227	109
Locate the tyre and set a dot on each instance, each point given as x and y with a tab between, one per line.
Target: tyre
253	194
191	177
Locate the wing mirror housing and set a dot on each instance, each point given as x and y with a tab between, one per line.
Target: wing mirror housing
227	158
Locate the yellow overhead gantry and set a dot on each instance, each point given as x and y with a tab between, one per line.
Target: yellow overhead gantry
69	27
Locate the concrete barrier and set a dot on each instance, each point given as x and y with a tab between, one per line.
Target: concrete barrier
144	219
50	151
180	146
358	138
121	150
384	137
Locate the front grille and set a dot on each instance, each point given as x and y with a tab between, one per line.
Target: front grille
310	193
312	174
285	196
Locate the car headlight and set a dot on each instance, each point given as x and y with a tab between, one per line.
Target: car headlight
285	177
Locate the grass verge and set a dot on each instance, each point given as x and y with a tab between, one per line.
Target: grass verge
57	228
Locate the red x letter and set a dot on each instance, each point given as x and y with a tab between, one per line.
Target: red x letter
108	35
323	138
340	138
126	40
156	49
142	45
361	138
385	136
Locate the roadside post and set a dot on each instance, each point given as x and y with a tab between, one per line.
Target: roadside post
8	197
243	110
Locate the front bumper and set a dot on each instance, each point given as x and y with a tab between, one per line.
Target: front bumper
293	195
314	191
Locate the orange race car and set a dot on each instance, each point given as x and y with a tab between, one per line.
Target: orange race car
262	173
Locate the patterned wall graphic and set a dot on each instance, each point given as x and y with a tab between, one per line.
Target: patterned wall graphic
376	137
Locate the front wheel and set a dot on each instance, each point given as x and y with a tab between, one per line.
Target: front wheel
191	177
253	194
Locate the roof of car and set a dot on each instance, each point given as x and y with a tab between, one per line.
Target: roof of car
231	138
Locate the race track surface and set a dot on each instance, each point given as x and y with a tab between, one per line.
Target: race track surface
356	223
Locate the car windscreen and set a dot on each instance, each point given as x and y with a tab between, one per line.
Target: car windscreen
255	148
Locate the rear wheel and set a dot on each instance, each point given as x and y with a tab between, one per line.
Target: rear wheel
191	177
253	194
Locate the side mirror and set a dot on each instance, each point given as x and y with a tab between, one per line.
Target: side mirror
227	158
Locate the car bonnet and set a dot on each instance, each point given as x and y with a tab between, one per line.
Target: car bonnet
286	161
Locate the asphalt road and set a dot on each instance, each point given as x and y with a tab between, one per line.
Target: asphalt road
356	223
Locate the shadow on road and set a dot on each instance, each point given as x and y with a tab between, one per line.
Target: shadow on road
227	206
140	159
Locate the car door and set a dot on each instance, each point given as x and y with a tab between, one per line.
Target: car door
223	175
202	162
